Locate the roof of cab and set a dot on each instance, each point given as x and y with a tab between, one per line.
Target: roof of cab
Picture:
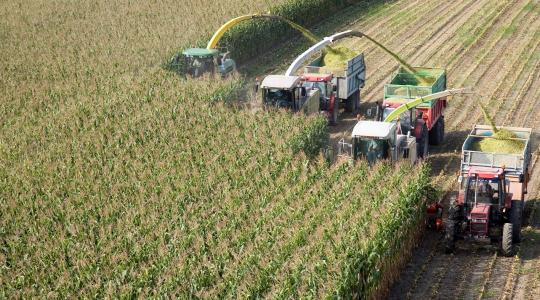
373	129
280	82
486	172
317	77
201	52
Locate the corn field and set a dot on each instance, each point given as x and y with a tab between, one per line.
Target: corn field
119	179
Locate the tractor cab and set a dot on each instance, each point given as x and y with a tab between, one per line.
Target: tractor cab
485	200
322	82
201	60
283	91
485	186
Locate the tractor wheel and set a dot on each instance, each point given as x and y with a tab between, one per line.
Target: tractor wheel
515	217
335	112
507	246
422	146
452	227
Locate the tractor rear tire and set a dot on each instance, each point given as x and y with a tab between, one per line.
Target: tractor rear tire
335	112
515	218
507	244
452	225
442	129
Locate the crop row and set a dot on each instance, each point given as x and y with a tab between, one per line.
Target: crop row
209	202
122	180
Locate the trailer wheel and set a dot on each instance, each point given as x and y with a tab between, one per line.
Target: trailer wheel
507	246
335	112
422	146
356	101
436	133
515	217
450	237
353	102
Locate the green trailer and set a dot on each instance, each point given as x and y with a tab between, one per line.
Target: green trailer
405	85
427	119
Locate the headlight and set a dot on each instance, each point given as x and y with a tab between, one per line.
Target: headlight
479	221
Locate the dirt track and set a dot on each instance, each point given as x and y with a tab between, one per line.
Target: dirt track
492	46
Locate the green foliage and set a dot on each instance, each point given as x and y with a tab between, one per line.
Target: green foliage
312	139
249	39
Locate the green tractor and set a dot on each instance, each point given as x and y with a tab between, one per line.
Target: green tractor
198	61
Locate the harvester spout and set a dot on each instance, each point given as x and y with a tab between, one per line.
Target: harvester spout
414	103
302	58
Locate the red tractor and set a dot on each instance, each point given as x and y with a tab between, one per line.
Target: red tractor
489	205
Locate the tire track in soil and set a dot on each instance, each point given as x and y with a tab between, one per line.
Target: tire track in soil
494	287
493	79
403	38
488	64
527	282
415	268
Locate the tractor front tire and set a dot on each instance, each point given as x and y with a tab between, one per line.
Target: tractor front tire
507	244
515	218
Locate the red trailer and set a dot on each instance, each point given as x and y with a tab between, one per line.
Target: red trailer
426	121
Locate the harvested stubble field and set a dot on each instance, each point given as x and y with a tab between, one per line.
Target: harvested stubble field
120	179
492	46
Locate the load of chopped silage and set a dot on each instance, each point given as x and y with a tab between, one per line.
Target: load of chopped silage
501	142
337	58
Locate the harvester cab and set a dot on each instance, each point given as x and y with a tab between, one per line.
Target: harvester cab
283	91
202	60
373	140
